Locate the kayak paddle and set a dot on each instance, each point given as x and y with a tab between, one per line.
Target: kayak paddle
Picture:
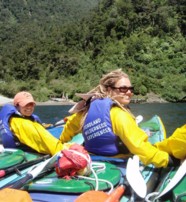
59	123
16	168
135	178
139	119
173	182
34	172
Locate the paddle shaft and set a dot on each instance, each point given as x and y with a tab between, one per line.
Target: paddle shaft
24	180
42	167
11	183
22	166
181	172
55	125
20	183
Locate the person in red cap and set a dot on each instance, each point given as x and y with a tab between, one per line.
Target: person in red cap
19	126
25	103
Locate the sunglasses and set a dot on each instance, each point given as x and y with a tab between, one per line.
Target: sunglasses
124	89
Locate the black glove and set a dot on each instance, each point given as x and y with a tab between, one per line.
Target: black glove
173	162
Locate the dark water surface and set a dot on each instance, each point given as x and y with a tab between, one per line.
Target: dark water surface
173	115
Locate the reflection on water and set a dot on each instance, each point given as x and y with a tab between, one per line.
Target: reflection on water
52	113
173	115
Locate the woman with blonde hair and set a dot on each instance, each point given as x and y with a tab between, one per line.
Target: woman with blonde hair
108	126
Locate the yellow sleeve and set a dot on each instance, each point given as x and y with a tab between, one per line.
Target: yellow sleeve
136	139
71	128
176	144
34	135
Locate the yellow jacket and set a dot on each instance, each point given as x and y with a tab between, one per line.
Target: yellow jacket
176	144
124	126
34	135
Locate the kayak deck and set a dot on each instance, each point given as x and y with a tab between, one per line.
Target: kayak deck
49	187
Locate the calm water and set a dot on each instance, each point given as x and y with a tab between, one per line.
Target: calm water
173	115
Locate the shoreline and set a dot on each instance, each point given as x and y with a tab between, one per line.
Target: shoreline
55	103
5	100
151	98
49	103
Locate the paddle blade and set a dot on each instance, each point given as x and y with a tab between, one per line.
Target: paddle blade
174	181
22	166
35	171
47	164
135	178
139	119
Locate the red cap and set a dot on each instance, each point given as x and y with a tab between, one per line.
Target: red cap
23	98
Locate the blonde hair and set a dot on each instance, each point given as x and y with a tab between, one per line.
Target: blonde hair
101	91
108	80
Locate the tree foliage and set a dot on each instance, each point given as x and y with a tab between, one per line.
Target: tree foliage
53	47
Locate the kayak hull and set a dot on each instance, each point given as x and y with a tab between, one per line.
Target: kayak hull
48	187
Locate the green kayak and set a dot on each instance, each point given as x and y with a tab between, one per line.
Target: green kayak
49	187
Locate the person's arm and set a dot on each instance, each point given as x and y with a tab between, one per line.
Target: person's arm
175	145
34	135
136	139
71	128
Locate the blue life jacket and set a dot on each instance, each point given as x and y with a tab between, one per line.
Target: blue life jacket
97	129
8	139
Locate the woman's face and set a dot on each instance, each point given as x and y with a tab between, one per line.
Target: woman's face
122	91
27	110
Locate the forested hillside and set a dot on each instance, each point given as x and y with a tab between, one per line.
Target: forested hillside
53	47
